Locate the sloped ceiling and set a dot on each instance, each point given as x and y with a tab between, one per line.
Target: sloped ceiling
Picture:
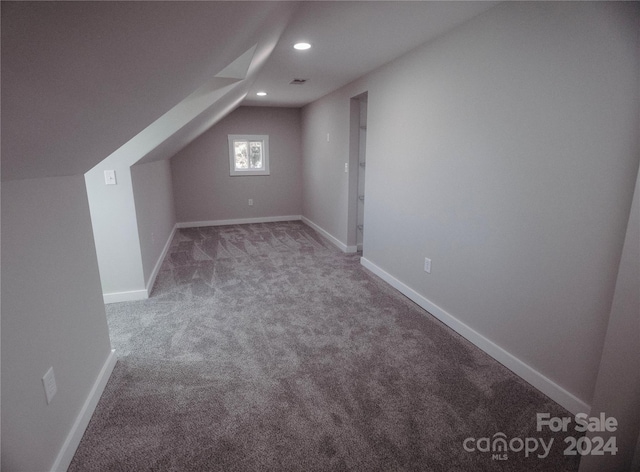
350	39
82	81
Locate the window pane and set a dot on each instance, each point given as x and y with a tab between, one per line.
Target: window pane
248	154
255	161
241	154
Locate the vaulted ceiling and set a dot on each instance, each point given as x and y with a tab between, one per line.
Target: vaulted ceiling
82	80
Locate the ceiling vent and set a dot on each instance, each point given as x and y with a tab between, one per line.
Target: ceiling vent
298	81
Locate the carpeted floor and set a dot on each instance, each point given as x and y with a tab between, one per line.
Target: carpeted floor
265	348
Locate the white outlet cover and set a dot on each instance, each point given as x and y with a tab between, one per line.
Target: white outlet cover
427	265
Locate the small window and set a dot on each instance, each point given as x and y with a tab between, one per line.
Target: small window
248	154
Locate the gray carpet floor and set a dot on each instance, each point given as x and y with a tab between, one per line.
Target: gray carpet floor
264	348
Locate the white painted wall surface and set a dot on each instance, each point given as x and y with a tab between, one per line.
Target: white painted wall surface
153	195
52	315
507	152
325	143
203	188
115	228
617	392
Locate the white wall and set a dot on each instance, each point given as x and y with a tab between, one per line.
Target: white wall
52	315
153	193
507	152
203	188
132	222
617	391
117	242
325	184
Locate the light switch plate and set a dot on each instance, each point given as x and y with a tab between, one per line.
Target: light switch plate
110	177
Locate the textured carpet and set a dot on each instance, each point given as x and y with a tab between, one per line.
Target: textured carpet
265	348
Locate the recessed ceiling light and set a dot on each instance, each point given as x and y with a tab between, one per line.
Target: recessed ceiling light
261	94
301	46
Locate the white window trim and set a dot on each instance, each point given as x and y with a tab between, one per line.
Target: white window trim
249	137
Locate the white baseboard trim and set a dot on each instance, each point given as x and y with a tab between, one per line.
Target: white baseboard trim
517	366
332	239
134	295
239	221
130	296
163	254
65	456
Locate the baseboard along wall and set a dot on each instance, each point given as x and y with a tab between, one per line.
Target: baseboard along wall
134	295
332	239
65	456
130	296
238	221
156	268
513	363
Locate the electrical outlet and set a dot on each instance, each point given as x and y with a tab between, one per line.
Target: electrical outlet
49	384
427	265
346	167
251	202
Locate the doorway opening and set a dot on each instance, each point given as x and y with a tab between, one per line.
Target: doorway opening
358	163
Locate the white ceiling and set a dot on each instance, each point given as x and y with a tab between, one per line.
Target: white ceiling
348	40
82	79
